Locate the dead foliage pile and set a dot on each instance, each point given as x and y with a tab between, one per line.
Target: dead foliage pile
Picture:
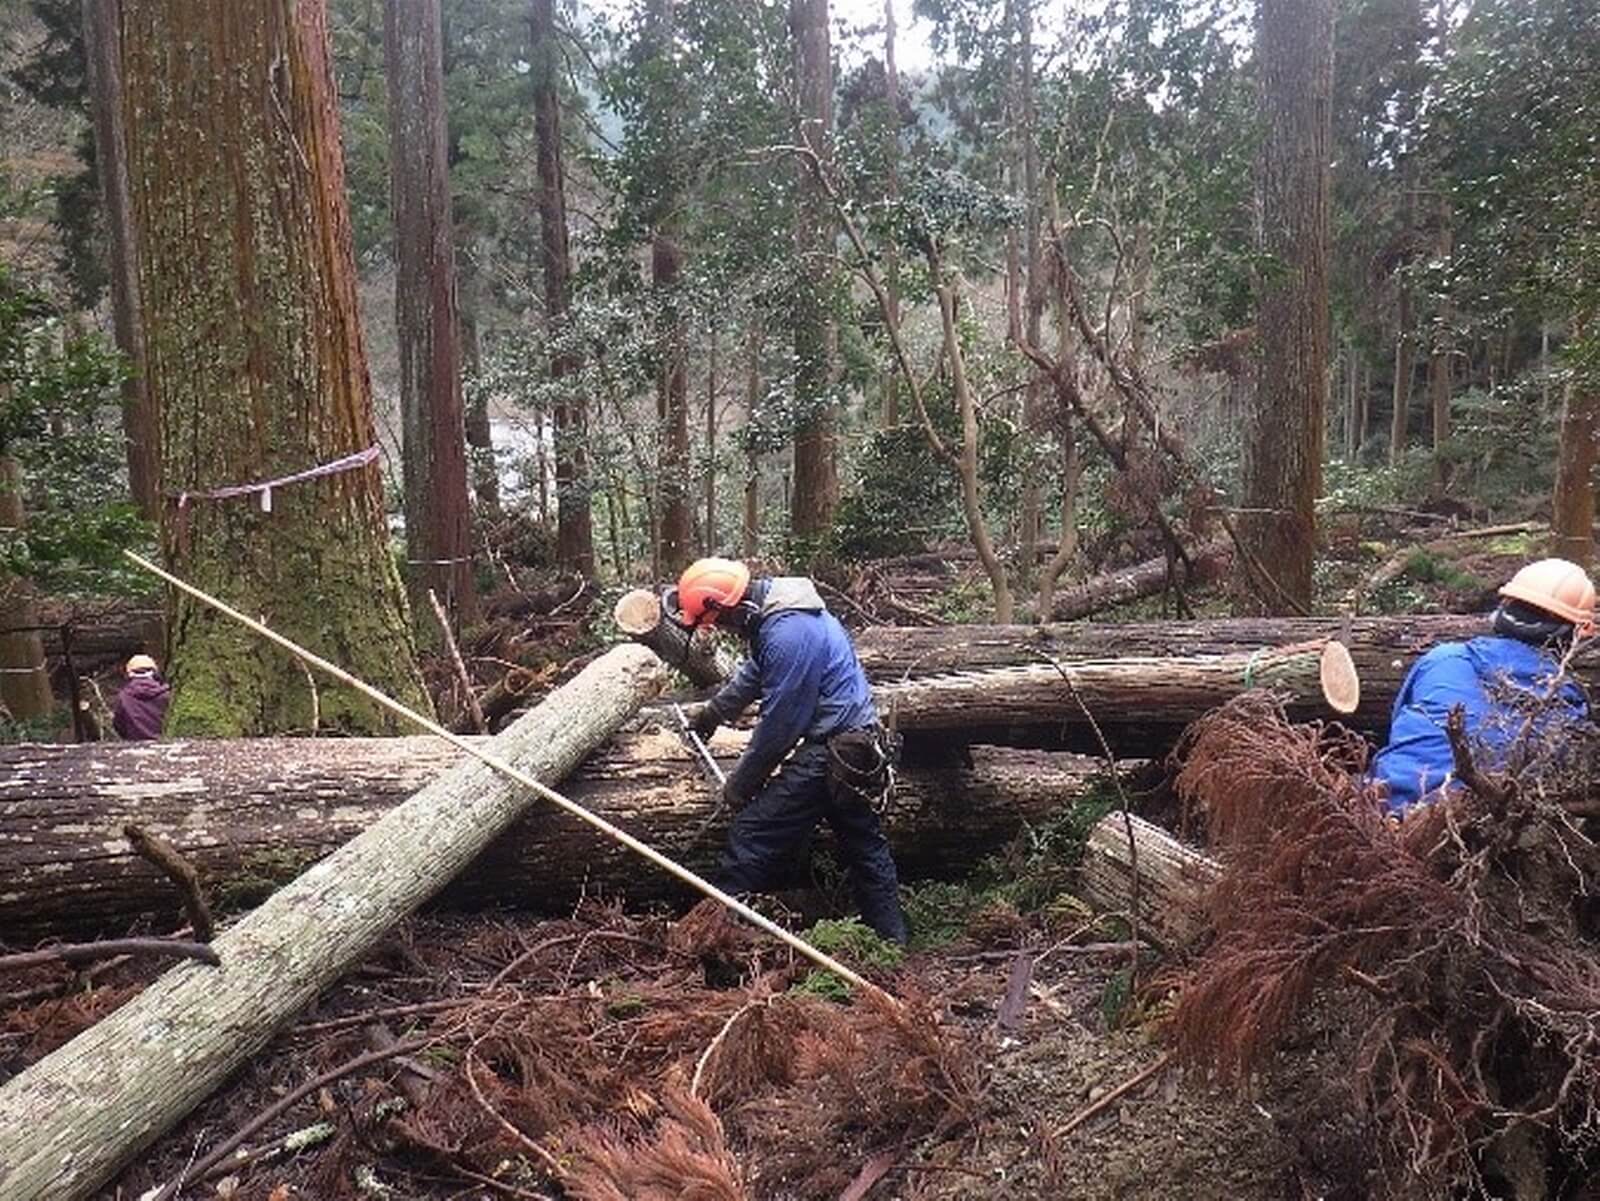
615	1057
1468	933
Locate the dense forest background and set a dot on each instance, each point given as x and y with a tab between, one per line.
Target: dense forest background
1069	286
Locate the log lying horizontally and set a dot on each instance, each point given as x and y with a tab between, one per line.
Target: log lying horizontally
71	1120
1172	879
249	814
1049	704
1383	648
1141	580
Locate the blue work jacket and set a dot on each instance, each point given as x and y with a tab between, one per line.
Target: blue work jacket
1416	761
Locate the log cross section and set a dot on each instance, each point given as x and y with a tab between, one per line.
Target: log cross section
71	1120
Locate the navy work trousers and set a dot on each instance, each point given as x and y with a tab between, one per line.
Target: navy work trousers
779	820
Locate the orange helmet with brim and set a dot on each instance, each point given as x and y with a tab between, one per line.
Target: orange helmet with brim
709	586
1558	587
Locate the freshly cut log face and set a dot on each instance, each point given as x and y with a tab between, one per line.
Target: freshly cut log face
1341	683
250	814
638	615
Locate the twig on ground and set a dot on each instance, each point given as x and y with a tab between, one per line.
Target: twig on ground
78	954
180	871
479	722
711	1047
549	1160
1112	1097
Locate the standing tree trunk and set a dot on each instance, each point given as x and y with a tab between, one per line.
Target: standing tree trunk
480	439
816	472
254	360
1441	352
750	540
24	674
432	425
1283	446
1403	349
574	522
891	252
1572	516
672	405
709	544
141	426
1026	156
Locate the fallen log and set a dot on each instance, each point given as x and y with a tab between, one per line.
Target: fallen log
1382	649
71	1120
249	815
1172	879
1061	703
1150	578
639	615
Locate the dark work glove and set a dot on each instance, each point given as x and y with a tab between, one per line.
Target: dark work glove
731	799
706	722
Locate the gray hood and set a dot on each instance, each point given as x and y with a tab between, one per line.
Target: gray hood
791	592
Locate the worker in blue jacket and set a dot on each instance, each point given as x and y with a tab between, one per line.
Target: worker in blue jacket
1543	608
815	701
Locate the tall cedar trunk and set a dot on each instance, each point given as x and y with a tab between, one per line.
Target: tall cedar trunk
24	675
709	534
1441	352
68	1122
1283	447
1572	516
255	362
750	540
1026	156
574	522
480	439
1400	413
816	471
1071	473
890	416
140	425
672	406
432	425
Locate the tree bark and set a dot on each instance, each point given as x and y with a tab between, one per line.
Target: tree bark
480	437
254	360
816	471
1572	509
1283	447
251	816
1149	578
71	1120
672	404
24	673
1383	649
432	421
141	427
574	519
890	409
1404	350
1172	880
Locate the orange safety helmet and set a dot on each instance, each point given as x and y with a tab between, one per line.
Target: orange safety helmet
708	586
1558	587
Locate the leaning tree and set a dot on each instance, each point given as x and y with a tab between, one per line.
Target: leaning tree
254	360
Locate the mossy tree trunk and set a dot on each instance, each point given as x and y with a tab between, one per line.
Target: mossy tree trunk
255	362
438	521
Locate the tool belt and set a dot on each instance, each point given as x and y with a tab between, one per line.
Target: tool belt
861	765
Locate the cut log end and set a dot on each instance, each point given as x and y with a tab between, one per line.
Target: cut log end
638	612
1341	683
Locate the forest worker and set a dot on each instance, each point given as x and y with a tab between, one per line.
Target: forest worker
142	704
815	700
1543	608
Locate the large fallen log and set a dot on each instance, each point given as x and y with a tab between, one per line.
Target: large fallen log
1382	649
71	1120
1141	580
251	814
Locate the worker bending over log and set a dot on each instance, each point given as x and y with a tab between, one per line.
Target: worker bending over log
814	696
1494	678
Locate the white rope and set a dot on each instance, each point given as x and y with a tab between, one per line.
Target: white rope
820	958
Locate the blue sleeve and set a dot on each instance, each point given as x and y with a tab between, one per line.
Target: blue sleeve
1441	680
791	679
740	692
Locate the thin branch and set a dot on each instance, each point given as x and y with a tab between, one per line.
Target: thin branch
78	954
180	871
1112	1097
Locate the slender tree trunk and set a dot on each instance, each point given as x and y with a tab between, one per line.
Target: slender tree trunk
574	521
480	437
891	254
1400	414
1026	155
254	360
24	674
672	407
1071	473
1352	415
141	426
1572	516
816	478
750	540
1363	403
432	424
1283	448
1442	351
710	543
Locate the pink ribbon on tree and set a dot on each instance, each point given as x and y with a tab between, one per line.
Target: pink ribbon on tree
349	463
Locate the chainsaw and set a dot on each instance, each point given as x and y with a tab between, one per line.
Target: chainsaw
713	771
